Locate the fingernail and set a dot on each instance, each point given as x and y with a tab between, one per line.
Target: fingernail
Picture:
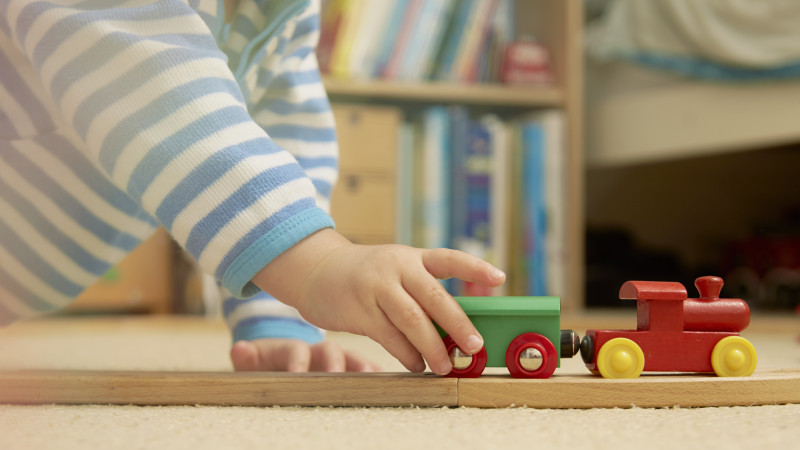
496	273
474	343
445	368
419	367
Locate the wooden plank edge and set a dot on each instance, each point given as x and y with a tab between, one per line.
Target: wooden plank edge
225	388
398	389
647	391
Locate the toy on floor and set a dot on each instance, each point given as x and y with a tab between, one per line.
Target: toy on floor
521	333
674	333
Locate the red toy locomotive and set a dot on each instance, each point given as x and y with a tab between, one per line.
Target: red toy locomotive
674	333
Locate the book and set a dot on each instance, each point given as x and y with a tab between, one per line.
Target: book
428	30
453	37
349	25
533	207
330	21
436	180
474	44
459	124
553	123
405	184
474	234
499	196
413	40
431	47
491	188
375	19
386	42
405	35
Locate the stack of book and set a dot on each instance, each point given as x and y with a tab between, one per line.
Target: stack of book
415	40
490	187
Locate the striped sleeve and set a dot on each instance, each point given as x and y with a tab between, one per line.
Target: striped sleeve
285	97
149	94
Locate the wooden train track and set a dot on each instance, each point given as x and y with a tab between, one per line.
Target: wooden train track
393	389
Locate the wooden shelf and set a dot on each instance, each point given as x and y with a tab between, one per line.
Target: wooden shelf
694	119
477	94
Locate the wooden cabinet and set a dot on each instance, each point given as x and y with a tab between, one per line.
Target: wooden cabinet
142	282
363	202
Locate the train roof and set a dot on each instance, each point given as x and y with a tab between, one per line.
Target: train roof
500	306
652	290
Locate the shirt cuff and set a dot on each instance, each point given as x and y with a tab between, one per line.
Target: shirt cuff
268	247
276	327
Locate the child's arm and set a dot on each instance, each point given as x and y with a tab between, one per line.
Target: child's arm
389	293
287	99
145	93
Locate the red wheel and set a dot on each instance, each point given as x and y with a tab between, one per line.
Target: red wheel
464	364
531	355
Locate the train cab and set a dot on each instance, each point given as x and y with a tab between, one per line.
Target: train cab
674	333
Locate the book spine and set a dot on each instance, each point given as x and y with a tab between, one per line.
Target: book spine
431	47
330	23
352	13
452	40
372	25
435	179
405	184
405	36
468	68
534	212
388	41
499	196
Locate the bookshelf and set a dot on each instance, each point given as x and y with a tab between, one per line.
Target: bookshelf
558	26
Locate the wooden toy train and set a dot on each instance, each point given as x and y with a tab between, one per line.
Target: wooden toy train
674	333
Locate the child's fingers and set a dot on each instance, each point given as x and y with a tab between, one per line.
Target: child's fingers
383	331
445	263
327	357
244	356
357	363
295	356
444	310
409	317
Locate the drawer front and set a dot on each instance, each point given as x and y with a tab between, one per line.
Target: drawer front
364	205
368	138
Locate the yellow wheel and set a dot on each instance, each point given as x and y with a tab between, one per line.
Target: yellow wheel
620	358
734	356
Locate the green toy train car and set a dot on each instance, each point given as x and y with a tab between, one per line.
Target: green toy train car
521	333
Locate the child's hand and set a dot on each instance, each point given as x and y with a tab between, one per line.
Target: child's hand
388	292
293	355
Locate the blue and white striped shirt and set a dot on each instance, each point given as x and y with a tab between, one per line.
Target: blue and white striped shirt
118	116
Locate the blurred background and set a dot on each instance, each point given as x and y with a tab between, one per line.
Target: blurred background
575	144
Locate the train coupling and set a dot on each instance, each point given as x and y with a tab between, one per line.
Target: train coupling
570	343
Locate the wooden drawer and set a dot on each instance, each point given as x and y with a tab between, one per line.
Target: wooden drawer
367	138
142	282
364	205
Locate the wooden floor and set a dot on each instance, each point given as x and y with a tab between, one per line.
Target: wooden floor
387	389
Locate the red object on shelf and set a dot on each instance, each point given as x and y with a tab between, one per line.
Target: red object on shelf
526	62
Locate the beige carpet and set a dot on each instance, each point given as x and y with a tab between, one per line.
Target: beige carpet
191	344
